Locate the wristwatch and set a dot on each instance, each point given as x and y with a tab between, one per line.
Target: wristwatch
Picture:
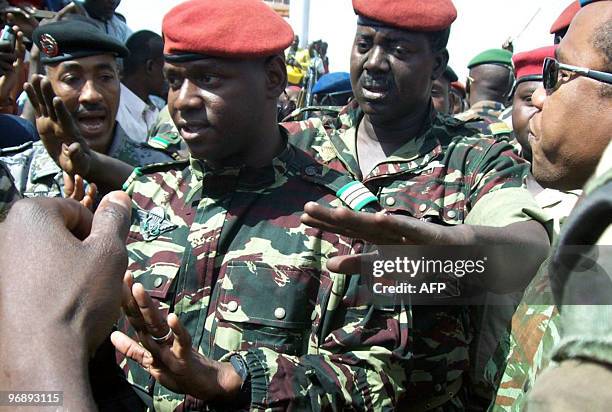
240	366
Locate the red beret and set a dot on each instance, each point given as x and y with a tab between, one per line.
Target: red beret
458	86
235	29
528	65
413	15
564	20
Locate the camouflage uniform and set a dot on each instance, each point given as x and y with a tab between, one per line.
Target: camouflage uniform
165	136
522	353
538	329
450	174
37	175
580	284
8	192
225	250
486	116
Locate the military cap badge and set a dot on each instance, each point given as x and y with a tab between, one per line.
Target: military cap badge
48	45
154	222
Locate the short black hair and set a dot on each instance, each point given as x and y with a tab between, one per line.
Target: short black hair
143	45
602	41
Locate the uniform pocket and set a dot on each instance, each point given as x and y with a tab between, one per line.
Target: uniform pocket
271	305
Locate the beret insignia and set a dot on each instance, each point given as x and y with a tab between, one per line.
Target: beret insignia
48	45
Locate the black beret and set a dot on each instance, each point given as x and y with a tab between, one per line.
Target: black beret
73	39
450	74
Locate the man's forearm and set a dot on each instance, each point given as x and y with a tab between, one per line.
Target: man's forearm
108	173
526	245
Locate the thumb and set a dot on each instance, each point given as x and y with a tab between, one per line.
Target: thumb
111	224
351	264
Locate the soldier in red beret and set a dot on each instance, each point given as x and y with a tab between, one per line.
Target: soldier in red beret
528	73
255	320
441	181
560	26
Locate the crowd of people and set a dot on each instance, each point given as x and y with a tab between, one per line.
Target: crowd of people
187	220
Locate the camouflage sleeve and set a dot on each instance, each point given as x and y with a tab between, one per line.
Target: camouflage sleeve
360	364
8	191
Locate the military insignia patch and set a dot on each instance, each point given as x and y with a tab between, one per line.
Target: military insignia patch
49	45
154	222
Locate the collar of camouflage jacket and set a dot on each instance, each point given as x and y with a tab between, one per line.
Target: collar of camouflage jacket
414	156
241	176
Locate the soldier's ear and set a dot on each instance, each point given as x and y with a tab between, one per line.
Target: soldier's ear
276	76
440	63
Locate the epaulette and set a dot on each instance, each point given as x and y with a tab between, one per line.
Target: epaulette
9	151
468	116
353	193
499	128
164	140
152	168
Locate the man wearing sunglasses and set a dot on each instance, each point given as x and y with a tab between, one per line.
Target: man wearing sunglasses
568	134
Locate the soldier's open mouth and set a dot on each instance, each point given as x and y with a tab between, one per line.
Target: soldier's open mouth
92	125
192	131
374	93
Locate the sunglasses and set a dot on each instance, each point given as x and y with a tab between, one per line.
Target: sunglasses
550	73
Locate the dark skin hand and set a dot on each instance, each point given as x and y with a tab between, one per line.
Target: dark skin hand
10	62
64	142
74	188
60	288
386	229
173	363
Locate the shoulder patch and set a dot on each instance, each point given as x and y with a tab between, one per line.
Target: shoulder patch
149	169
353	193
164	140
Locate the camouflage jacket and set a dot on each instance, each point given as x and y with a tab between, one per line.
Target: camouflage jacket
573	327
8	191
225	250
450	174
37	175
524	351
486	117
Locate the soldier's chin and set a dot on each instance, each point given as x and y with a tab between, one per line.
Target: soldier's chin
96	138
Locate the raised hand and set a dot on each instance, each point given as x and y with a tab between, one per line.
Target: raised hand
57	129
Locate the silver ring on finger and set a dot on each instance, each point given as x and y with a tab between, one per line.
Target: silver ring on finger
164	338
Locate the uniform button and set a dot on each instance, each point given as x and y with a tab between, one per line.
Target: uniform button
158	282
313	315
311	170
279	313
452	214
390	201
232	306
423	207
437	387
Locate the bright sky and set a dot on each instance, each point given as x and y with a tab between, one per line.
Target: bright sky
480	25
